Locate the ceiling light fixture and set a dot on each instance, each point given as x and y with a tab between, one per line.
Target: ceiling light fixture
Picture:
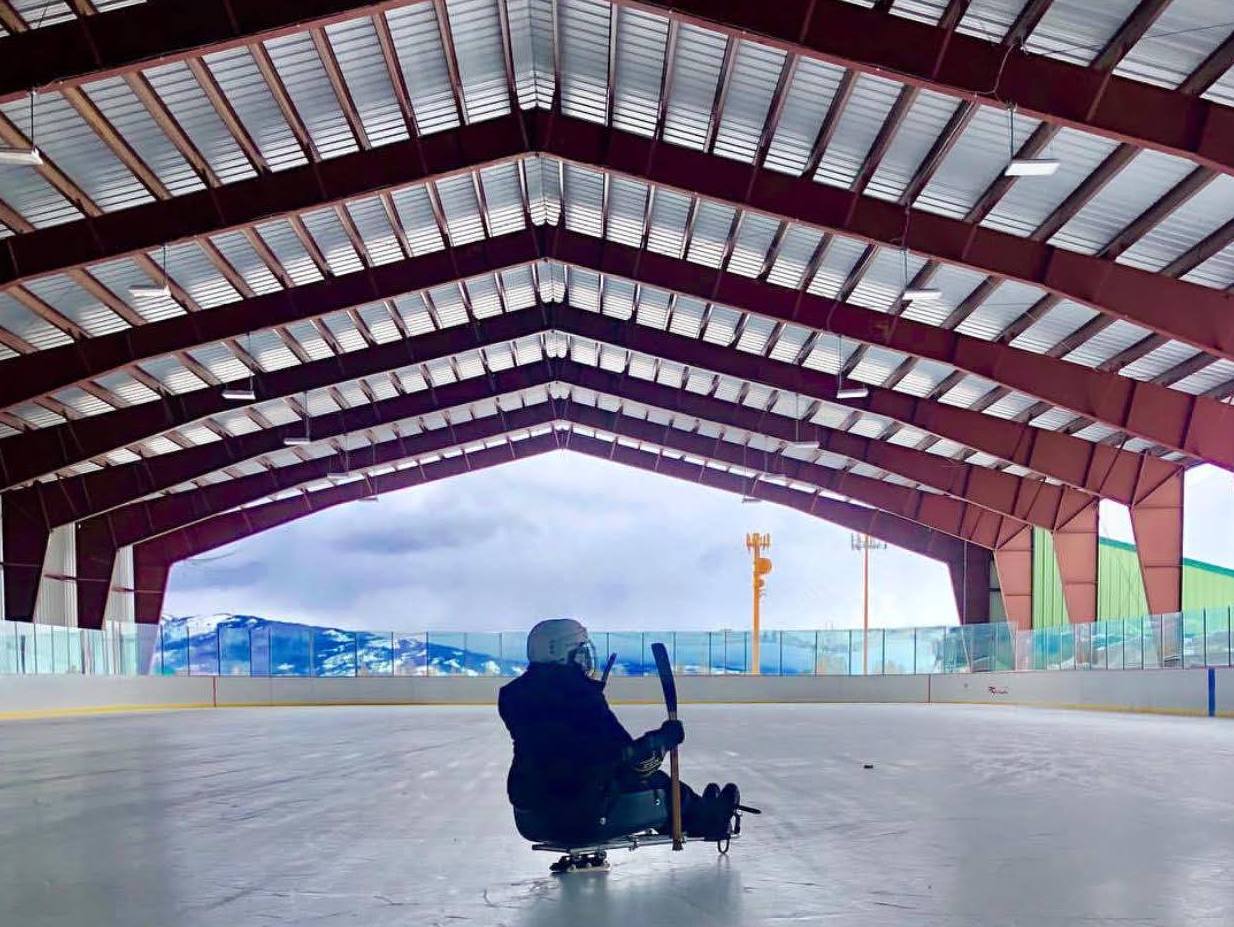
30	157
297	441
914	293
750	500
1032	167
158	290
239	394
857	391
1026	167
26	155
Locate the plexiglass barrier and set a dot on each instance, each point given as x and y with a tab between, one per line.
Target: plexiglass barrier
1186	639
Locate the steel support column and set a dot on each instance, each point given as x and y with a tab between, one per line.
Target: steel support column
1157	522
1014	562
1076	548
970	581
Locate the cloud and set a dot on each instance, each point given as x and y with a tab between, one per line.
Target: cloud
560	534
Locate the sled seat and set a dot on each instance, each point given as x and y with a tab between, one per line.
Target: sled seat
626	813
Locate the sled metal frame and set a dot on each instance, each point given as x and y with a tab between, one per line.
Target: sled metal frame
630	842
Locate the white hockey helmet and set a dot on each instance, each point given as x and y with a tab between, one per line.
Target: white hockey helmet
561	640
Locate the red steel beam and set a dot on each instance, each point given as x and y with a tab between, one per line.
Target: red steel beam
1157	523
1076	548
1097	469
1118	290
971	68
46	450
1124	292
99	538
970	582
32	375
1014	564
1198	426
153	558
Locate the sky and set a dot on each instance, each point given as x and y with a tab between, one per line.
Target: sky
565	535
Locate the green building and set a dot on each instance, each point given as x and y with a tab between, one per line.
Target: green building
1120	589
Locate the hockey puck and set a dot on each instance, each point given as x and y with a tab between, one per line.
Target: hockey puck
868	766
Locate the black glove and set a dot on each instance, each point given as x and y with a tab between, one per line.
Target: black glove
669	735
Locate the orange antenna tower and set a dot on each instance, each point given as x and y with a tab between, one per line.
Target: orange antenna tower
757	543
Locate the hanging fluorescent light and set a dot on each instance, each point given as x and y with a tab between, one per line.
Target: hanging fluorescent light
30	157
1032	167
239	394
150	292
914	293
854	391
750	500
336	478
297	441
804	445
370	499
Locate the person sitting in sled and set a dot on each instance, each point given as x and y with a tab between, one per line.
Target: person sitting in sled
578	776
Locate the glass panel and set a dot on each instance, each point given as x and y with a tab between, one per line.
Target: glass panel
797	652
375	653
899	651
736	652
411	654
931	645
203	651
628	646
1170	640
649	659
234	651
514	651
259	651
769	653
8	647
833	653
175	644
482	656
1193	638
855	649
445	653
334	652
715	651
44	649
691	653
289	651
1217	636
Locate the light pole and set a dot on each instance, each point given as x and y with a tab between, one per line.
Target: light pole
865	544
757	543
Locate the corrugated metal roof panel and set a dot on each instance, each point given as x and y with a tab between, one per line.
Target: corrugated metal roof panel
371	221
378	321
1184	35
461	208
415	213
119	276
1218	373
1217	271
332	241
179	90
503	199
923	124
188	266
713	222
519	287
583	27
796	250
1148	177
652	309
1186	226
299	67
133	121
808	97
281	239
977	160
859	125
627	207
172	374
250	96
475	26
1053	327
990	19
1111	340
66	138
1031	200
1160	360
584	198
697	61
70	300
1006	304
241	255
531	33
1077	30
924	377
1222	90
37	201
639	69
884	280
16	318
417	40
220	361
755	234
358	52
751	85
669	210
272	354
841	257
926	11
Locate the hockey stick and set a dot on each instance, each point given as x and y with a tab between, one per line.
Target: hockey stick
608	668
669	685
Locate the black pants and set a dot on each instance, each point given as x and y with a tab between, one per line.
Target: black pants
661	780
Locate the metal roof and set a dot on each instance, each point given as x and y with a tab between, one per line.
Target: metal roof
273	112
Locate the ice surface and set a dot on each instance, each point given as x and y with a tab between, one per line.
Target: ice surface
382	816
